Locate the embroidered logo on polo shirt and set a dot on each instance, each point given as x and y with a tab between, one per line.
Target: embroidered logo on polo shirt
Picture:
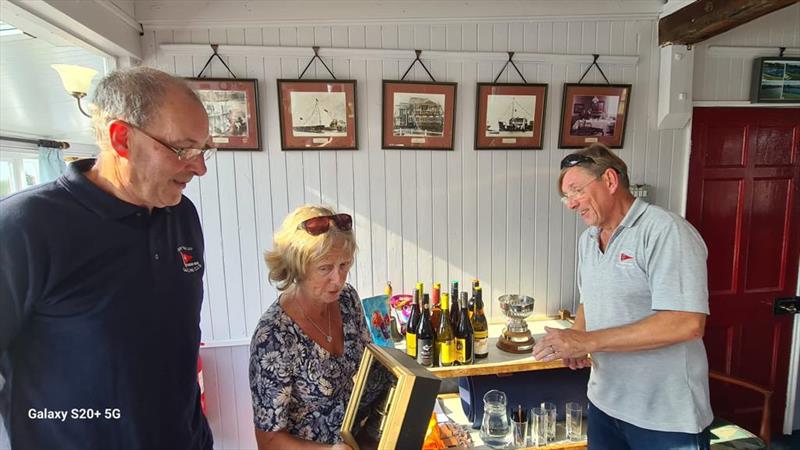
625	259
190	263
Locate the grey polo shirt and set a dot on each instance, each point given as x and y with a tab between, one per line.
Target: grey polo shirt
655	260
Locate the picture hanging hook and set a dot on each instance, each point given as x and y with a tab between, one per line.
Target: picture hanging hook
214	48
594	64
316	56
418	52
510	60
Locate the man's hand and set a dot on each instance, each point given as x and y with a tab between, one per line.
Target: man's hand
571	345
578	363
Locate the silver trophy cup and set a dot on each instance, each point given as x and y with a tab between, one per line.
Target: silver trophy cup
516	337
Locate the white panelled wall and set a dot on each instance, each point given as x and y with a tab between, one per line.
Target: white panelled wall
723	64
419	215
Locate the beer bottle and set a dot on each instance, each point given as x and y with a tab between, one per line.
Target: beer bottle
454	306
464	334
436	308
413	324
426	339
445	348
480	327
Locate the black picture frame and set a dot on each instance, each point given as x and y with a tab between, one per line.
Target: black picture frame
234	122
775	80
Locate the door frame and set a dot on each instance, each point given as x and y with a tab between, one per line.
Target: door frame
793	381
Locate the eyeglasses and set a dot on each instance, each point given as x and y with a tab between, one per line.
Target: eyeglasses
575	159
572	194
321	224
184	154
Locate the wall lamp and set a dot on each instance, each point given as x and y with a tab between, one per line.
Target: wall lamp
76	81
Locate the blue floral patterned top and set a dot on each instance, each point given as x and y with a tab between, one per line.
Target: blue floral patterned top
299	386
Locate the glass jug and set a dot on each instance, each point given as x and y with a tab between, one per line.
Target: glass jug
495	426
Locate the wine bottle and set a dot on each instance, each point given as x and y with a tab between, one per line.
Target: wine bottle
413	324
475	283
445	343
480	327
454	306
426	338
436	307
464	334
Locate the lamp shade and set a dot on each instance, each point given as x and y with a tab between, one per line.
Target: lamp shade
76	79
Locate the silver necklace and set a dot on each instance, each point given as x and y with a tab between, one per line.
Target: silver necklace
329	335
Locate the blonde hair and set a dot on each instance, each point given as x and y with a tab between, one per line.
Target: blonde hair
604	159
294	249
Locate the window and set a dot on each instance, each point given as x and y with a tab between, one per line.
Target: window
18	170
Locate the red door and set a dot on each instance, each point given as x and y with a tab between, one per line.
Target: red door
744	198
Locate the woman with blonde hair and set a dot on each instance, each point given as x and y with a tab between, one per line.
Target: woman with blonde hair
308	345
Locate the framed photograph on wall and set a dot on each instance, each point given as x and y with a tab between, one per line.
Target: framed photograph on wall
594	113
509	116
775	80
232	107
418	115
317	114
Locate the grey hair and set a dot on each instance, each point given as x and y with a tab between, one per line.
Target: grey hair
133	95
604	159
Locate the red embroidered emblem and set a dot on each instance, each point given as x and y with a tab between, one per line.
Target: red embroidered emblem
190	264
624	257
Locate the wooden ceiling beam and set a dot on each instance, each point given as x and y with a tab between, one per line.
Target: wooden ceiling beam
707	18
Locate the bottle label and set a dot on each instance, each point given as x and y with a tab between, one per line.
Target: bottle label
481	343
425	352
461	350
446	353
411	344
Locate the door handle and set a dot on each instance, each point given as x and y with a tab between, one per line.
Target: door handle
787	305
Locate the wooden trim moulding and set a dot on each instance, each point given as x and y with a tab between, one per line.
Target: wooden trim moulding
382	54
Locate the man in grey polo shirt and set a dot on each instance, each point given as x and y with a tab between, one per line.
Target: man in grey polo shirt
644	301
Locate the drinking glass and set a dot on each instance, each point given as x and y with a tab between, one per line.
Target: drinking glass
574	417
538	434
550	409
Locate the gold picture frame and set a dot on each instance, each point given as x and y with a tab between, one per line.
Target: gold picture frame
407	407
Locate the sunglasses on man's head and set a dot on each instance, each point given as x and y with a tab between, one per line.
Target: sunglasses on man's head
321	224
575	159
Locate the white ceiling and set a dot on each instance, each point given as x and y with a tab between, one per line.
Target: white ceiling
33	103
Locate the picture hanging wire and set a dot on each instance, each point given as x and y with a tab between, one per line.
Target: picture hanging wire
781	50
594	64
316	56
510	55
418	52
214	49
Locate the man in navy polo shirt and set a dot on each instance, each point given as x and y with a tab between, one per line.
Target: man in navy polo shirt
101	282
644	301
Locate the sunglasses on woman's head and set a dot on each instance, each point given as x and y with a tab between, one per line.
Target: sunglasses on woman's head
321	224
575	159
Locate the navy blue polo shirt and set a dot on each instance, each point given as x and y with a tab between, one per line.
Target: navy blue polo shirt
99	320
